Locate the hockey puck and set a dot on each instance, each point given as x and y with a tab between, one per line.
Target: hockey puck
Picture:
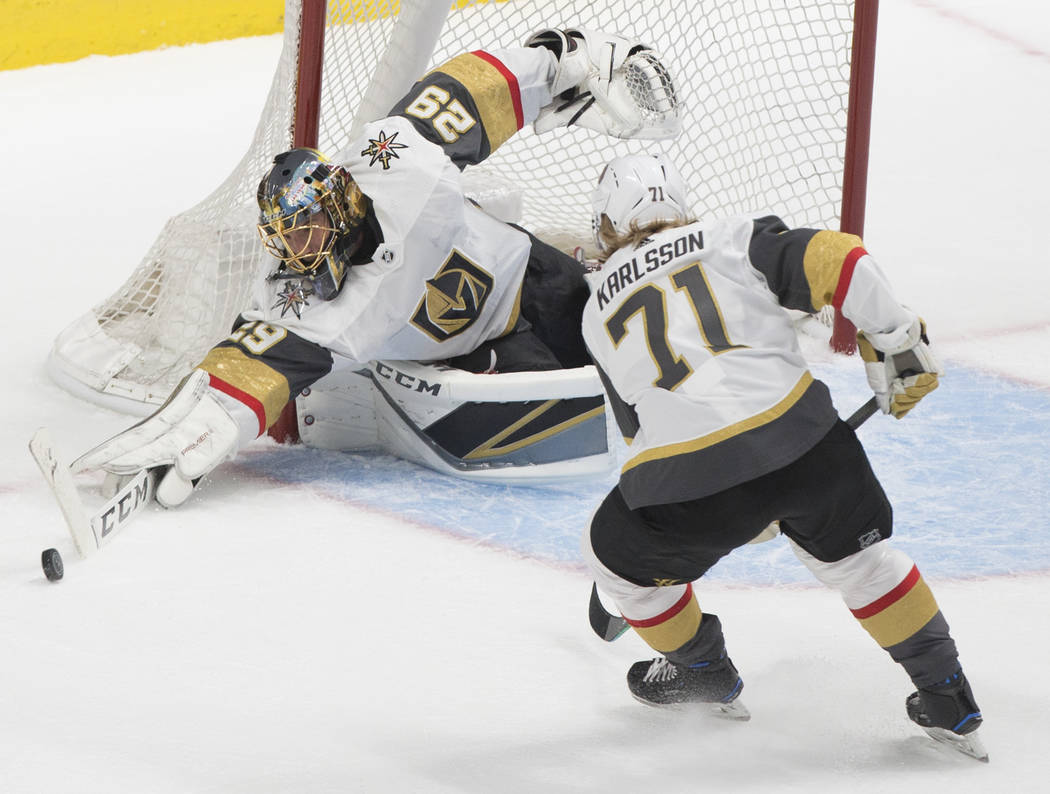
51	562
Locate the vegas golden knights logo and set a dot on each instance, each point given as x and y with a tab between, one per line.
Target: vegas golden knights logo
454	298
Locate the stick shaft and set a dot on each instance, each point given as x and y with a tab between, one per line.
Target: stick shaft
862	414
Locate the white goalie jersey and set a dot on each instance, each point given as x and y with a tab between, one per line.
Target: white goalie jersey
445	276
701	362
444	279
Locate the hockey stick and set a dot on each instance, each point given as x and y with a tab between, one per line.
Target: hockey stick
862	414
610	627
90	531
605	624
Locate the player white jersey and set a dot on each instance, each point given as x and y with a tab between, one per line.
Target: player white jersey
701	361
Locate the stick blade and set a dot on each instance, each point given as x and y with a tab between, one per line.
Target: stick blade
135	493
60	479
605	624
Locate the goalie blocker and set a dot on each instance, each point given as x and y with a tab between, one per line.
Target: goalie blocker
127	496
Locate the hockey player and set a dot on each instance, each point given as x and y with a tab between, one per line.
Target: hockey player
381	255
728	431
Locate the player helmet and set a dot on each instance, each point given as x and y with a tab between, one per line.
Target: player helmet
309	210
637	189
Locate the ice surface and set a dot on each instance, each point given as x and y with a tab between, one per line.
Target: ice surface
313	622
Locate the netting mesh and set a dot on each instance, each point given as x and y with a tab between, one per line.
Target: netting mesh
765	83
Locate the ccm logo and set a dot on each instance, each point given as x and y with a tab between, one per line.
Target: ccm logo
128	504
405	380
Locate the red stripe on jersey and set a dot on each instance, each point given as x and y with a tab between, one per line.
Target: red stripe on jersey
681	604
892	597
512	83
241	396
846	276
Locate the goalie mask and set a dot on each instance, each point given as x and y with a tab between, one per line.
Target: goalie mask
632	192
309	214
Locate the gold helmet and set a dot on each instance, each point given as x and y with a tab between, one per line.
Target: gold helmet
310	211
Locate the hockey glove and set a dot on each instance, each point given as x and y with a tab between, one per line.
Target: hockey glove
188	436
900	372
573	63
608	83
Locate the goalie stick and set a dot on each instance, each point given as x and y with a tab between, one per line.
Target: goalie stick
90	531
610	627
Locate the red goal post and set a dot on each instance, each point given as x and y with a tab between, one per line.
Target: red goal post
858	138
778	96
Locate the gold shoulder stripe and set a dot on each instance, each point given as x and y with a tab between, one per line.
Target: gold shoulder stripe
253	377
491	92
822	262
703	442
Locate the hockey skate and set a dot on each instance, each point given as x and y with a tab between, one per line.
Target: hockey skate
949	714
663	683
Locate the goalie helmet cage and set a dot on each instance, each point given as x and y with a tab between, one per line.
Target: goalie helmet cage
778	102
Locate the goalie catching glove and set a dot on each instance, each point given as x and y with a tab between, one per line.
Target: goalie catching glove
608	83
900	372
189	436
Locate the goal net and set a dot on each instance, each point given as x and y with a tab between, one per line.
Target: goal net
766	84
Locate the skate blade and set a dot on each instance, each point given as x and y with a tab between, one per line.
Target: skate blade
735	711
969	744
